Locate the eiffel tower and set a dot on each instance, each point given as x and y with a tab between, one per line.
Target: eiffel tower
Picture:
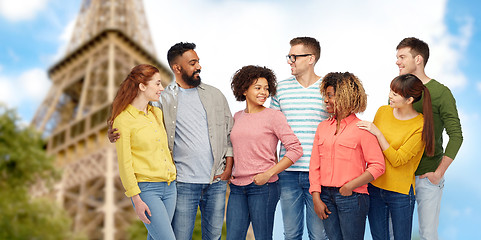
110	37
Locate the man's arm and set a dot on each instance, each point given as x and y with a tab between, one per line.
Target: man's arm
226	175
449	115
229	122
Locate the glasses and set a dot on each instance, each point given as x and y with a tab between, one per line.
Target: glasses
294	57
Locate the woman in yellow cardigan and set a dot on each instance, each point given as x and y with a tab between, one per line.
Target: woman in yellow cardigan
145	164
402	133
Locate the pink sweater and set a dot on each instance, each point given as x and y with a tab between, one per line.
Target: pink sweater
254	140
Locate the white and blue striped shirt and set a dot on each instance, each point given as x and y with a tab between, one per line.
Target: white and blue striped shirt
304	109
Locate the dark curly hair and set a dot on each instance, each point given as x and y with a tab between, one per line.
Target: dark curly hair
246	76
177	50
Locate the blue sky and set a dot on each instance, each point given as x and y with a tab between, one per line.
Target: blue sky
355	36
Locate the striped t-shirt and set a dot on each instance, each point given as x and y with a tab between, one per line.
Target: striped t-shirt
304	109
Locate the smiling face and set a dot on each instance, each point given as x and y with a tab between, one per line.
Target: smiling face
301	65
153	88
406	61
190	68
330	100
398	101
257	93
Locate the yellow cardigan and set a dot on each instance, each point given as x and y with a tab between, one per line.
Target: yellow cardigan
405	150
142	151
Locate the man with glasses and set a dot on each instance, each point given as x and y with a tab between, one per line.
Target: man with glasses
299	98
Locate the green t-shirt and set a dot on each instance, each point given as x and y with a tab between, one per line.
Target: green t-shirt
445	116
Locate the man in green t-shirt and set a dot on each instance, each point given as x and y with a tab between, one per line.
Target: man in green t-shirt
412	56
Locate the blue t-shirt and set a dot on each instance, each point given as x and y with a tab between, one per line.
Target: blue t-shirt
192	151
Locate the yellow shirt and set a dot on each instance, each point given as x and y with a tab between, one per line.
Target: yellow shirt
142	150
405	150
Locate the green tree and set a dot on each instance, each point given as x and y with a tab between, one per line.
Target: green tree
136	230
23	162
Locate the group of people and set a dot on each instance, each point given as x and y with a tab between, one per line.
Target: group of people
178	148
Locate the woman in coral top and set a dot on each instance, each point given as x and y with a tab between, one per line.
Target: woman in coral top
402	133
145	164
344	159
254	189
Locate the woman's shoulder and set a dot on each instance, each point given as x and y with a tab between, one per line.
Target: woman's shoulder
275	114
238	114
123	119
325	123
156	110
273	111
385	108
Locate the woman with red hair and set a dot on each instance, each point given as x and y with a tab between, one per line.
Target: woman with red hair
146	167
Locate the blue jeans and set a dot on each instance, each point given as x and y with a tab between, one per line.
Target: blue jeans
428	197
401	208
160	198
211	200
251	203
348	214
295	197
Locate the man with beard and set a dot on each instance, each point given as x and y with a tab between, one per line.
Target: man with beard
198	122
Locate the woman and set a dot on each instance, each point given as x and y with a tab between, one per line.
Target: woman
344	159
254	190
401	135
145	164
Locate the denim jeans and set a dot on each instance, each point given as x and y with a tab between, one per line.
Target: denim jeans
348	214
211	200
251	203
295	197
428	197
384	203
160	197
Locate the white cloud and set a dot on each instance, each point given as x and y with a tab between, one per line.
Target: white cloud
478	86
14	10
30	87
353	38
35	84
7	95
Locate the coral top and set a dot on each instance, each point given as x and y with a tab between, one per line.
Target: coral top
339	158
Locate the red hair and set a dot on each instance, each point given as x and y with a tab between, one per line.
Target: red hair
129	88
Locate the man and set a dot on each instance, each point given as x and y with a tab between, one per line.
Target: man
412	56
198	122
299	99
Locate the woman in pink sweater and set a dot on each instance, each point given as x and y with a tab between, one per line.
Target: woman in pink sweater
254	191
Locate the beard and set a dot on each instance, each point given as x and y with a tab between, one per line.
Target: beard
191	80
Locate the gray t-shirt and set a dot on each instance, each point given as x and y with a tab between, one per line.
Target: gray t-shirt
192	150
